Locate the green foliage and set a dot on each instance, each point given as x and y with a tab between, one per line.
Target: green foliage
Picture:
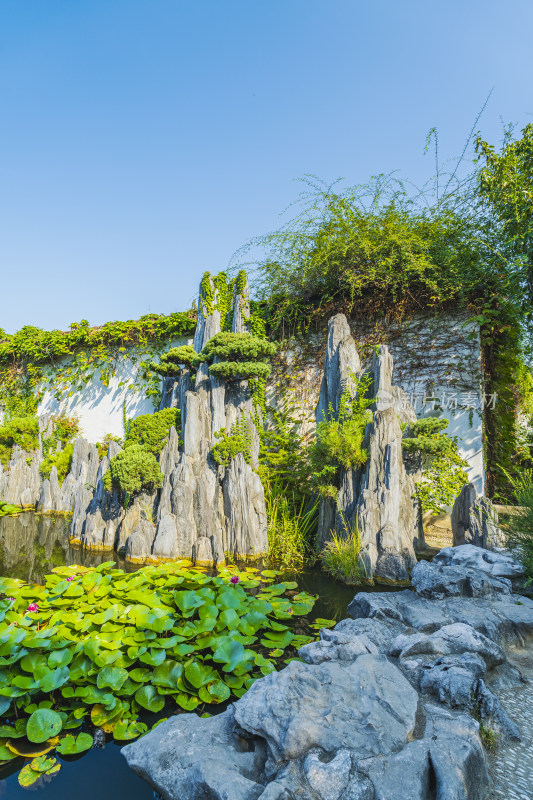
341	557
243	347
506	184
8	510
151	430
26	356
21	431
132	470
170	363
290	530
103	446
61	460
58	448
339	440
444	472
102	647
239	370
238	440
520	523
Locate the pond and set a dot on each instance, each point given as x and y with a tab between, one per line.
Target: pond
30	547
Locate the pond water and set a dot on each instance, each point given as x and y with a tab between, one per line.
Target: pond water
30	547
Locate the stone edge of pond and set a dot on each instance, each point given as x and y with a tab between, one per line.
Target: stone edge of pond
391	703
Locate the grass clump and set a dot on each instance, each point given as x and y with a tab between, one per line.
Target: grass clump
341	557
290	529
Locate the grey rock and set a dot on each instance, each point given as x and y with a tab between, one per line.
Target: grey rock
509	619
405	607
367	707
244	506
437	580
165	544
187	758
139	542
337	646
450	640
448	763
328	779
381	633
497	564
20	482
475	520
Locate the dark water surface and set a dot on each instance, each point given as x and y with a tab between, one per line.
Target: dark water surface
30	547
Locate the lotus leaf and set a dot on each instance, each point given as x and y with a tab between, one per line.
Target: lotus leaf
43	724
125	730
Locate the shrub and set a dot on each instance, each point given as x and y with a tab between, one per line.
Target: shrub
339	441
239	370
103	446
170	363
61	459
228	346
444	470
132	470
151	430
21	431
238	440
58	448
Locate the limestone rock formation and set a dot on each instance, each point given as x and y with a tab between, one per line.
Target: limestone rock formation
20	482
475	520
378	499
203	510
385	706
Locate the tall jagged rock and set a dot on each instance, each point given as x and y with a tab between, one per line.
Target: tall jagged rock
20	482
475	520
377	499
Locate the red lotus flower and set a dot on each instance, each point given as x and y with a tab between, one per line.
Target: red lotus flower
234	579
32	607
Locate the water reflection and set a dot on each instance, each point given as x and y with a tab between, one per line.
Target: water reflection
31	545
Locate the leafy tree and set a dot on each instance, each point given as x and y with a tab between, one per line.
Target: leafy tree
133	470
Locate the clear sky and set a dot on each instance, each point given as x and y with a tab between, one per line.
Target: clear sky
144	141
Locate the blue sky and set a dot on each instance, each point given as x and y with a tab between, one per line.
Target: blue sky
144	141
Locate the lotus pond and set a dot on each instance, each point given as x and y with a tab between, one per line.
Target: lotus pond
90	652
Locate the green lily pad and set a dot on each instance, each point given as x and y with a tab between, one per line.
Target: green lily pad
42	725
148	698
71	745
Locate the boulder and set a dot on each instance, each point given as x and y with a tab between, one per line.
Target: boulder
449	640
497	564
366	707
475	520
436	580
187	757
405	607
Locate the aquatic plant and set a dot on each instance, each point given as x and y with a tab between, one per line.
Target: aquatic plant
102	648
290	529
341	556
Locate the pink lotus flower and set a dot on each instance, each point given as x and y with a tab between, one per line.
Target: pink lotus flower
70	578
32	607
234	579
11	599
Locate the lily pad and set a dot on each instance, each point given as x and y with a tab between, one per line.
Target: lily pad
43	724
